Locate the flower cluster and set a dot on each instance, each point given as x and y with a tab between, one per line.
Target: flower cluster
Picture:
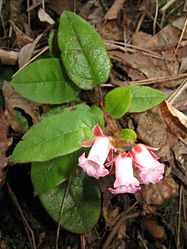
140	157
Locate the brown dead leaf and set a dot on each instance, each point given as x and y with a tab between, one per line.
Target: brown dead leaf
152	226
110	27
14	100
139	39
176	113
178	128
26	52
45	17
5	143
157	194
110	30
21	38
113	12
180	170
15	8
159	61
178	22
152	130
148	65
183	66
93	12
165	39
60	6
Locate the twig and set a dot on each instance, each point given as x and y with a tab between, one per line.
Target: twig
182	140
28	14
43	4
82	240
121	219
152	17
167	6
155	18
143	243
162	20
61	211
173	10
2	20
184	209
75	6
179	217
178	92
126	45
185	6
116	228
140	21
154	80
28	229
33	6
181	37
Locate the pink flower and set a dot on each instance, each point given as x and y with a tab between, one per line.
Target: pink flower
151	170
125	181
101	149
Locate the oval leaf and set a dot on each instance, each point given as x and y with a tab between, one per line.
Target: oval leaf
53	44
128	135
83	52
117	101
43	82
55	136
81	209
144	98
49	174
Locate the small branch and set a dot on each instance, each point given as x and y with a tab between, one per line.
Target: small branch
28	229
178	92
155	18
153	80
140	21
83	242
179	216
117	227
131	48
185	6
167	6
181	37
120	220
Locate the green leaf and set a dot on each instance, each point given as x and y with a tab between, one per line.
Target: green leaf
49	174
117	101
83	52
43	82
144	98
98	113
64	108
56	136
82	204
128	135
53	44
23	122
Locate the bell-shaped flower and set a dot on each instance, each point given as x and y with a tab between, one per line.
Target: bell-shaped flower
125	181
151	170
101	149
